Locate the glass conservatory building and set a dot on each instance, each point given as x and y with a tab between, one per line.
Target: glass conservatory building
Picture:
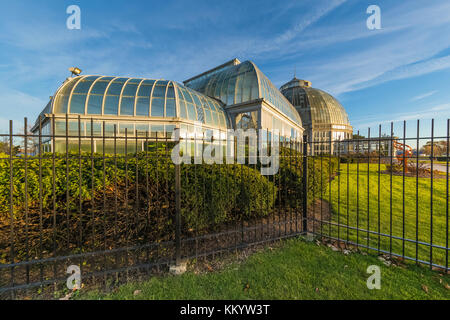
323	117
124	106
99	108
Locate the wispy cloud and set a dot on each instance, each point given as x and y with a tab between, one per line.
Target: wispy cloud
440	111
408	45
424	95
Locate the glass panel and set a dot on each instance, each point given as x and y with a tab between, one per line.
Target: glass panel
196	99
221	120
169	130
142	106
109	129
111	105
127	106
92	78
61	103
60	127
97	128
74	130
183	113
159	91
99	87
134	81
142	129
208	119
128	126
83	86
191	112
215	118
200	116
145	90
170	108
156	128
157	107
77	103
170	92
187	96
115	88
95	104
211	105
130	89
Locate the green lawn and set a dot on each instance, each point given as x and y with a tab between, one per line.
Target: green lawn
368	195
295	270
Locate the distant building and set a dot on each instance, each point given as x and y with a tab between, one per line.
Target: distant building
362	145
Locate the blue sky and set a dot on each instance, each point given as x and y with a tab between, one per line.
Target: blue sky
399	72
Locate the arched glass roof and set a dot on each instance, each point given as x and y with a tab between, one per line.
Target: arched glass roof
315	106
115	96
241	83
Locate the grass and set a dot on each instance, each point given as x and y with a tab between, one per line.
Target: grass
364	199
295	270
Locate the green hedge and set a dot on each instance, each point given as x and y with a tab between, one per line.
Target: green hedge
142	185
131	199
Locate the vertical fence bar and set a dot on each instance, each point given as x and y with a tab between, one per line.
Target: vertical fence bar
27	246
147	185
177	214
305	185
53	198
127	222
357	186
11	205
80	199
403	190
379	190
321	151
116	204
446	195
279	191
431	193
339	193
290	191
368	187
104	201
92	183
391	154
330	180
417	190
348	192
296	191
41	228
136	200
67	182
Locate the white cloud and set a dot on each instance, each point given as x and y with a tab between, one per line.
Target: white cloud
423	96
440	111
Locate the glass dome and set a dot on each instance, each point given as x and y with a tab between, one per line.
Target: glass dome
241	83
98	96
316	107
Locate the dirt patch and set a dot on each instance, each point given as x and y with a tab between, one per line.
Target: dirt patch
318	213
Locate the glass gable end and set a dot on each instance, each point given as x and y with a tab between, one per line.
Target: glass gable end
242	83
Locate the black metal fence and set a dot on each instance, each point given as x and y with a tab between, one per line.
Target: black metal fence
118	207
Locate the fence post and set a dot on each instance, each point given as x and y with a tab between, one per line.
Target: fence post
177	214
305	185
